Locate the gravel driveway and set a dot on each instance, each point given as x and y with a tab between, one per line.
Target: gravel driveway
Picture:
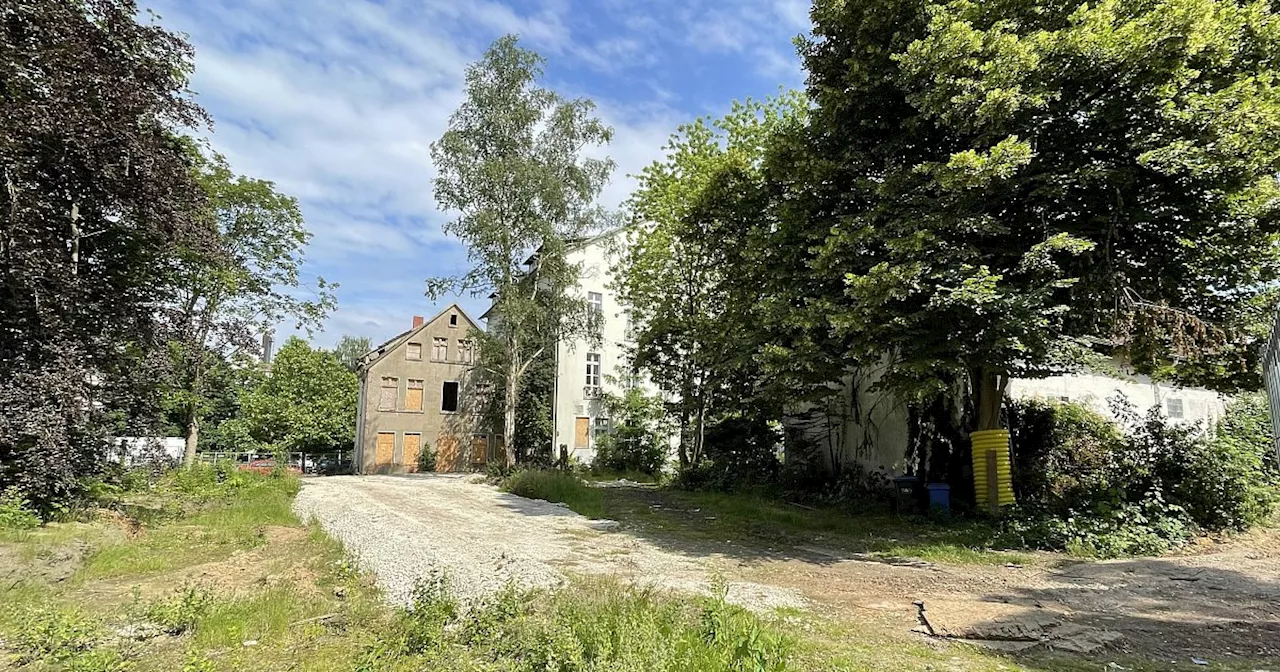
403	528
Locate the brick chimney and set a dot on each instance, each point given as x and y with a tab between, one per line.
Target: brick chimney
417	321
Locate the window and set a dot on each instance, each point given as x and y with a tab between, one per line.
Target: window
440	349
1065	399
414	351
1174	408
595	300
387	398
593	369
601	426
453	320
413	396
449	397
466	353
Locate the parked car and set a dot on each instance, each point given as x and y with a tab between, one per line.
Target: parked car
266	466
332	466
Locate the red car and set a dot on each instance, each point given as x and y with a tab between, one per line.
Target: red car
267	466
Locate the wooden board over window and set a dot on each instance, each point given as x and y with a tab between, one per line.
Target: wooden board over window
413	351
413	396
412	446
582	433
388	394
386	453
447	453
479	449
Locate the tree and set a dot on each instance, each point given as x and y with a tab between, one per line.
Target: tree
689	272
96	200
1008	185
511	166
350	349
242	284
306	403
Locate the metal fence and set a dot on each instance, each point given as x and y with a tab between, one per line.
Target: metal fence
1271	376
327	462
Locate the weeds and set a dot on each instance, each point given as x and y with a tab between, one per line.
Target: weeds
180	612
557	486
55	633
16	512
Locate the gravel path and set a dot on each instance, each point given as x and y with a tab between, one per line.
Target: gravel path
403	528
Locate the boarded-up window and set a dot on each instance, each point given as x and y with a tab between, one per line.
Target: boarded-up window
449	397
413	351
466	351
387	397
413	396
386	448
440	349
412	444
479	449
582	432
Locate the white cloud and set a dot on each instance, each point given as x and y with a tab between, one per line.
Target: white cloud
338	101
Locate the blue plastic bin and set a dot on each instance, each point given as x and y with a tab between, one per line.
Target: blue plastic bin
939	497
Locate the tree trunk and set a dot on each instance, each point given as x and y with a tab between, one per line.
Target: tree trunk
988	395
702	428
193	436
509	410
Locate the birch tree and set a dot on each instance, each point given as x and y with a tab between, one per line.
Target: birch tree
512	167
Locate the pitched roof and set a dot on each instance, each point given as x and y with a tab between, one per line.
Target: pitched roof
368	358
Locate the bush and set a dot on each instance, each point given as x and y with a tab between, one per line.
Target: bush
180	612
1087	486
16	512
55	633
426	458
738	453
637	442
557	486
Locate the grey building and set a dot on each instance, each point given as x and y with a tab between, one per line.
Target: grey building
417	389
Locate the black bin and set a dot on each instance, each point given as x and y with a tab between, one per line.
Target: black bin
906	499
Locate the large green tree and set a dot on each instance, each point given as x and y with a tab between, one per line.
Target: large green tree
690	274
241	285
96	200
306	403
512	166
1008	184
350	349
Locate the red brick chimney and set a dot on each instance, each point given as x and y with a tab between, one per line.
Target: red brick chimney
417	321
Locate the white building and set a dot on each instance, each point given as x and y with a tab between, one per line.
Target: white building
586	371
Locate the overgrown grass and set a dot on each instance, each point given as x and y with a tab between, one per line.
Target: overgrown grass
557	486
716	516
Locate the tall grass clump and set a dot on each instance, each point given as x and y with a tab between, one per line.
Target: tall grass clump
557	486
596	625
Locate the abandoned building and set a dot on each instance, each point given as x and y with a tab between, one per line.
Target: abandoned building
417	390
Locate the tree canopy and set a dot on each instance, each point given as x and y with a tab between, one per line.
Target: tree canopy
306	403
512	165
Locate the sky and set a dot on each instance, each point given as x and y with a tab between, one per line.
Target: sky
338	101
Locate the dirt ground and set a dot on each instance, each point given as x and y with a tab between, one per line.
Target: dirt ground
1220	602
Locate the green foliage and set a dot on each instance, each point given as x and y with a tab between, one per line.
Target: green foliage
307	402
513	164
426	458
688	272
557	486
1086	485
179	612
597	626
638	435
739	453
55	633
350	349
16	512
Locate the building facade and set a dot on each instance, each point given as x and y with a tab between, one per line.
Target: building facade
415	390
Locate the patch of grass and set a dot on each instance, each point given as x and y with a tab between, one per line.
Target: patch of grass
557	486
263	617
717	517
232	521
608	475
54	632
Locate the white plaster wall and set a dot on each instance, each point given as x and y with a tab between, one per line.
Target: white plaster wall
571	403
1198	405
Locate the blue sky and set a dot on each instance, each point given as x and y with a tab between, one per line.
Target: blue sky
337	101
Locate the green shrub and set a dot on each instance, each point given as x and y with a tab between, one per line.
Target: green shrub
431	609
637	439
180	612
738	453
16	512
98	660
1086	485
556	486
55	633
426	458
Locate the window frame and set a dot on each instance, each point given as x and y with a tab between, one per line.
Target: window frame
436	343
1182	408
421	385
395	396
408	352
593	378
457	396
